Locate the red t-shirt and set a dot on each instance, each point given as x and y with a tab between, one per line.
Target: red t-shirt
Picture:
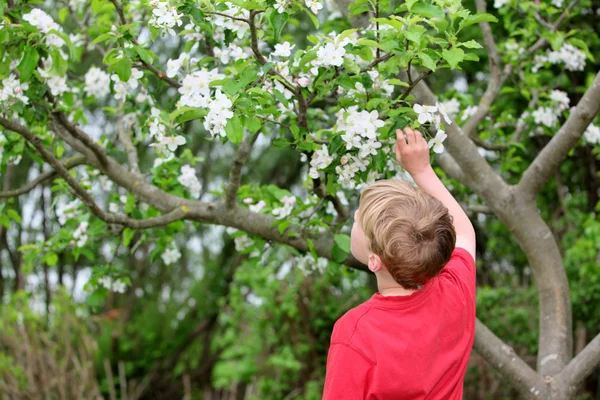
407	347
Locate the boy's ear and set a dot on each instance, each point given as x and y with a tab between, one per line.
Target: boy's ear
375	264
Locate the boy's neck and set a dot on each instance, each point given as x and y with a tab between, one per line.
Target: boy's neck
387	286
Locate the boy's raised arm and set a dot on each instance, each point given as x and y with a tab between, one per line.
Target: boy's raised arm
413	155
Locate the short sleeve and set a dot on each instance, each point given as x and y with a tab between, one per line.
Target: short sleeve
348	373
462	267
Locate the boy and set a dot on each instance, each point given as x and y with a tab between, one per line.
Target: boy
413	338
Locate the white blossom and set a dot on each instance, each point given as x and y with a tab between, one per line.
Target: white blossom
218	115
314	5
113	208
171	255
592	135
236	26
283	49
113	285
425	114
500	3
65	212
258	206
320	159
189	179
242	242
437	141
329	55
13	89
97	83
286	210
451	107
561	100
546	116
58	85
469	112
195	90
280	5
81	234
169	143
165	17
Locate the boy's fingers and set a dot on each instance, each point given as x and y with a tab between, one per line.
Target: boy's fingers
401	141
412	138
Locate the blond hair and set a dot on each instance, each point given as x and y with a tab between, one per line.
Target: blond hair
410	230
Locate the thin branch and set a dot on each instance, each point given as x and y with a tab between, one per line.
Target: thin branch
146	65
541	42
124	133
488	39
521	124
235	174
582	365
489	146
549	159
175	214
78	134
228	16
504	359
412	85
542	21
68	164
377	61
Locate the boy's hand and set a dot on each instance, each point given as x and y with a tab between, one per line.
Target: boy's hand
412	153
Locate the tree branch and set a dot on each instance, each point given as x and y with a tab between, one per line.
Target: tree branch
582	365
124	133
504	359
541	42
145	65
235	174
82	194
43	177
548	160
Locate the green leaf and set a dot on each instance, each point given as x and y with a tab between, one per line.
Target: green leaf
123	69
283	225
127	236
342	241
66	39
14	215
410	4
471	44
278	21
427	10
28	63
104	37
312	17
253	124
415	33
59	64
397	82
51	258
4	221
234	130
427	61
311	248
453	56
351	66
475	19
62	14
185	114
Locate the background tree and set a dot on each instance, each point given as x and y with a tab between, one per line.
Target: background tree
128	130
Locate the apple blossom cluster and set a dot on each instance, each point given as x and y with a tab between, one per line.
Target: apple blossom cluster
174	65
288	205
452	107
225	54
122	89
80	234
308	265
113	285
255	207
320	160
468	113
97	83
45	24
219	111
67	211
171	255
500	3
549	115
379	83
243	242
190	181
331	54
592	135
195	90
165	16
569	55
166	145
13	90
238	27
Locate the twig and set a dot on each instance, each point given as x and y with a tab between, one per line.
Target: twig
111	382
127	142
541	42
235	174
68	164
172	216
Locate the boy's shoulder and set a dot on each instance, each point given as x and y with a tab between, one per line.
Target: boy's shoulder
345	327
